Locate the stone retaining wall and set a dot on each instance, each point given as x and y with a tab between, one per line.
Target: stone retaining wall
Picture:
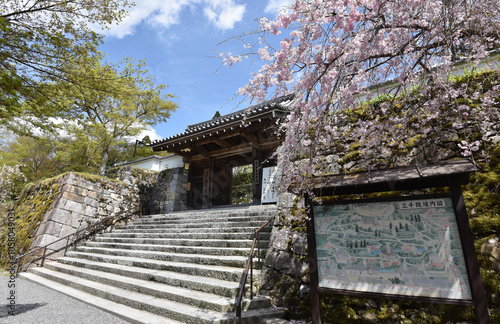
84	200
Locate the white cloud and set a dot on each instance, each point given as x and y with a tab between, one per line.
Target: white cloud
165	13
224	13
274	6
151	132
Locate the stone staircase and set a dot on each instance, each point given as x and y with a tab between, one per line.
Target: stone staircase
183	267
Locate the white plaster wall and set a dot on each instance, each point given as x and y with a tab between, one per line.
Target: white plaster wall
160	164
171	162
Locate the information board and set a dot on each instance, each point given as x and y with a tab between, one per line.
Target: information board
405	247
269	182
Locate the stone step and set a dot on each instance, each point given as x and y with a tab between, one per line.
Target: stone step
204	227
220	260
176	248
179	267
178	294
158	306
129	314
190	235
198	276
183	242
255	220
264	213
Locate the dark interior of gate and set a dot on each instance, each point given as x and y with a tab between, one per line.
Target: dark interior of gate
214	147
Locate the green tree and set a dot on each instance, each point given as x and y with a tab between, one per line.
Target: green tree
38	39
36	156
107	114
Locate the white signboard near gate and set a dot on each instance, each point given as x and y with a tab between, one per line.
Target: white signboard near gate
269	183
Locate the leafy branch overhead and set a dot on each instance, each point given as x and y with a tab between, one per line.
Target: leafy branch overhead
39	39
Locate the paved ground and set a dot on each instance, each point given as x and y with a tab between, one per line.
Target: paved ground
40	305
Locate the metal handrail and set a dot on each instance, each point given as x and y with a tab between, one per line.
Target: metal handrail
249	267
91	230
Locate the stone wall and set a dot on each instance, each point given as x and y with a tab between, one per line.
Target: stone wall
285	270
491	248
85	199
167	194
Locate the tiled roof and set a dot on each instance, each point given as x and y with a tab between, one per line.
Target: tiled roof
151	157
280	103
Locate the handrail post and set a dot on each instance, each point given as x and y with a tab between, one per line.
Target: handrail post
237	320
43	256
251	276
66	247
258	246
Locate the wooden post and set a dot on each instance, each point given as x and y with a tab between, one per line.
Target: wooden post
257	175
311	256
467	240
207	183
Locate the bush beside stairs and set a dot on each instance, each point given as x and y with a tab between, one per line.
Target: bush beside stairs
183	267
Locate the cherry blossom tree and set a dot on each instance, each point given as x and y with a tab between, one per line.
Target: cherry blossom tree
378	75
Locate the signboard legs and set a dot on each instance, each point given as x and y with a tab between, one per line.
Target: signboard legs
311	256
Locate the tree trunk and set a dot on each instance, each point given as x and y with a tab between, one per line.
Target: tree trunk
104	162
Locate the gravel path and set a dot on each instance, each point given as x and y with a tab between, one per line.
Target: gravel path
41	305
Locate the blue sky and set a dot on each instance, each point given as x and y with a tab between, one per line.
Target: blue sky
177	38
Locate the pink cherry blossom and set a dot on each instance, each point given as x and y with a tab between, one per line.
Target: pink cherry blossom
339	56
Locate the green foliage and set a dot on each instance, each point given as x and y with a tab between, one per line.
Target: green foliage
38	40
107	114
242	185
29	212
389	112
99	120
37	156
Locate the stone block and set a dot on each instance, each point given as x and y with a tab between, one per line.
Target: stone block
115	196
52	228
68	188
72	196
283	261
74	206
180	178
299	243
46	239
89	201
80	191
58	215
91	194
67	230
174	196
279	238
76	221
90	211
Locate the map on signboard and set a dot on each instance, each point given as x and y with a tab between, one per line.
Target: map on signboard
409	247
